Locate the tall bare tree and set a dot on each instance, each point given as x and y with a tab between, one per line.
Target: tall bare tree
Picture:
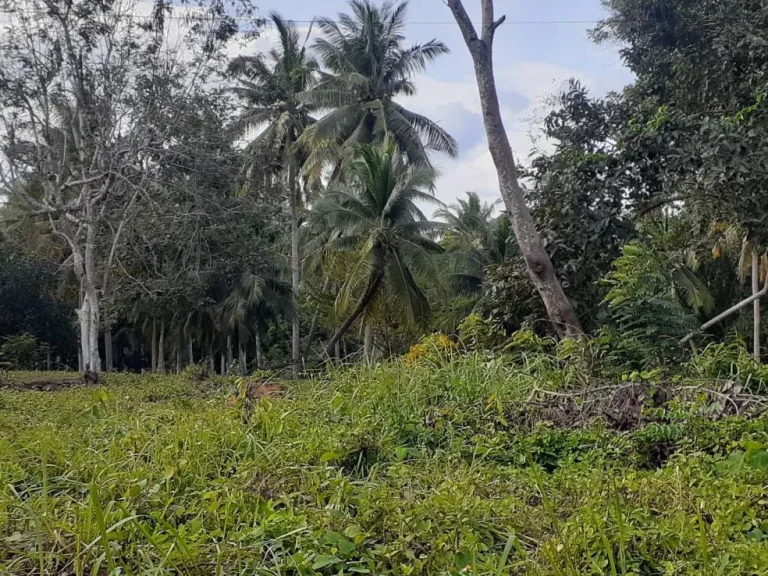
86	88
559	308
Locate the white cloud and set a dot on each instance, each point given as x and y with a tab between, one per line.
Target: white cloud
524	91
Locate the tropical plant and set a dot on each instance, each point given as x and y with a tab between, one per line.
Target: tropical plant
655	295
376	216
270	87
253	303
367	67
474	240
468	218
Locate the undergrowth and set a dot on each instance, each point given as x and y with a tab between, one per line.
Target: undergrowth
410	469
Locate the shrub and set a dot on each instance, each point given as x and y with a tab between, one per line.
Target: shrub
23	352
478	333
435	348
729	361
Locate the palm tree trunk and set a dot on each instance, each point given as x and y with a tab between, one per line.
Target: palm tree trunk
257	343
368	342
242	360
161	349
756	304
559	308
315	316
223	364
295	265
153	360
337	351
373	286
190	351
108	360
229	351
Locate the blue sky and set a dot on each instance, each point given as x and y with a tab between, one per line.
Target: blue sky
532	61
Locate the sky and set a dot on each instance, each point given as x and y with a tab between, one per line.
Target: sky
533	58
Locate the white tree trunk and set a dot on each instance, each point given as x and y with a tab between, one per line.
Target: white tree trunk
84	319
756	304
93	336
88	317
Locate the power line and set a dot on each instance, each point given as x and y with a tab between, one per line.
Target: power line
201	16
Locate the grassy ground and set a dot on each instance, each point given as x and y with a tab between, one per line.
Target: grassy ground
424	469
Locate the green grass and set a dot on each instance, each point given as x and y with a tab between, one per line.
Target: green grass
386	470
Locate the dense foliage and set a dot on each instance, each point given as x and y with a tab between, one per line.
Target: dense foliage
253	212
438	466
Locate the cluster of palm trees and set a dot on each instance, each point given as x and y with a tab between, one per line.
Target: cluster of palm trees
353	162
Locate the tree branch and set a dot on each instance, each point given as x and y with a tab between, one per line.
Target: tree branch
743	304
463	20
489	25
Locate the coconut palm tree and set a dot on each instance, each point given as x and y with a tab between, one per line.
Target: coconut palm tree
253	302
375	215
475	240
270	87
366	68
468	219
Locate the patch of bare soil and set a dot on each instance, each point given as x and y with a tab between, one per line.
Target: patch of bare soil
51	384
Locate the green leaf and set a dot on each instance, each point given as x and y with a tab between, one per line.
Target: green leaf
328	456
346	546
323	560
759	460
169	472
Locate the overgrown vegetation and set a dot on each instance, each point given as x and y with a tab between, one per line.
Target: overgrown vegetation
450	463
574	385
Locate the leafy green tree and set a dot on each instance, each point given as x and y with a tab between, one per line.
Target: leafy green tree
578	195
367	67
376	216
699	117
31	302
270	88
474	240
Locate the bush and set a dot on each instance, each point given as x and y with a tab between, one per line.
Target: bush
478	333
435	348
729	361
23	352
